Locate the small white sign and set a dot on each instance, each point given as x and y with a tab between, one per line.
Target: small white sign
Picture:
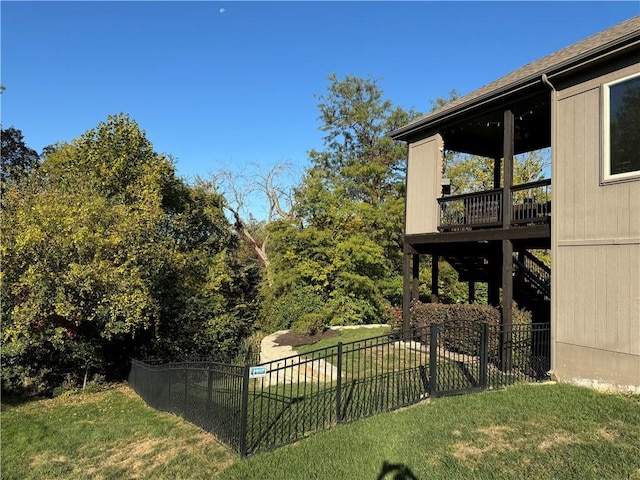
257	372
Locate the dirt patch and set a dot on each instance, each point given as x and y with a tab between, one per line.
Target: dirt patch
609	435
296	339
141	458
558	438
47	458
143	455
494	440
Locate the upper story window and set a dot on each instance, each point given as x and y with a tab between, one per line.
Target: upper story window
621	129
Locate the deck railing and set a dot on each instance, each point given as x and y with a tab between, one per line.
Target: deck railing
534	270
531	204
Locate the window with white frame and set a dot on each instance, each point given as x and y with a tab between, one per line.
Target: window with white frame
621	159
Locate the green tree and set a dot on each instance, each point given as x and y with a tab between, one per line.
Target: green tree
17	160
345	245
107	254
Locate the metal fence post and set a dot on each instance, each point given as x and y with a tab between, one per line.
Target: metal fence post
339	386
244	407
169	399
209	395
134	371
484	357
433	359
186	390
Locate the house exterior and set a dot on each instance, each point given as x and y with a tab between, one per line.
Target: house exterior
584	103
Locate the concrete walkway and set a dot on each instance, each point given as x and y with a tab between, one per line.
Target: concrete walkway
316	370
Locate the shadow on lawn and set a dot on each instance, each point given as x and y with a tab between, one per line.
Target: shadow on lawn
395	471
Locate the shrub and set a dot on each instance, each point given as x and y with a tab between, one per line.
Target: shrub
311	323
290	307
460	324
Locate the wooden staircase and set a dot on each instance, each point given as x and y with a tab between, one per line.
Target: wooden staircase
532	286
531	280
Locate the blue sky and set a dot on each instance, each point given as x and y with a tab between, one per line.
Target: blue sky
229	84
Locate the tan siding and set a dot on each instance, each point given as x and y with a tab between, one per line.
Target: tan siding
589	296
587	210
610	289
600	313
599	297
580	321
594	83
582	155
562	182
590	162
623	301
634	206
597	368
564	265
623	199
634	307
424	174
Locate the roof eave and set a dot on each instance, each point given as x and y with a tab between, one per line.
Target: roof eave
578	62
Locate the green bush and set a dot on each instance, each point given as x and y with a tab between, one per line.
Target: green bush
460	324
311	323
424	314
285	310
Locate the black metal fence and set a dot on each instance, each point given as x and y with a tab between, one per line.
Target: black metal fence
258	408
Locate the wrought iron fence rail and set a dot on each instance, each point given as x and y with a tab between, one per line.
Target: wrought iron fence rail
253	410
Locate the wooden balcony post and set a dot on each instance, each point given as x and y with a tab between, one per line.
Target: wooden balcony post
406	290
497	162
435	267
507	245
416	277
507	153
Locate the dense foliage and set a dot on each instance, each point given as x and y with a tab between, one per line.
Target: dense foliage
340	257
454	318
17	159
106	254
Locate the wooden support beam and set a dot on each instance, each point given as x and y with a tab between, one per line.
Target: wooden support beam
507	305
472	291
419	240
508	153
406	290
497	166
507	245
435	272
416	277
493	293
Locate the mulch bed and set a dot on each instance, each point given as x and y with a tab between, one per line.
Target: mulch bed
297	339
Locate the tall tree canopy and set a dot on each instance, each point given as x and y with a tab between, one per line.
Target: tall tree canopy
341	258
107	254
17	160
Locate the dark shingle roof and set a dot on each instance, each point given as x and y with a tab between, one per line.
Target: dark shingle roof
532	72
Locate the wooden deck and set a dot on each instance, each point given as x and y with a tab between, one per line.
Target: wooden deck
530	205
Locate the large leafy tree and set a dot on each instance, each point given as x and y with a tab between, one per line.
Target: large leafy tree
107	254
17	160
341	258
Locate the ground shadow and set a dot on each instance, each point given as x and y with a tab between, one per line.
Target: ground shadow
395	471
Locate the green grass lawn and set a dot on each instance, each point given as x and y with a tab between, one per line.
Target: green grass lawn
105	435
526	431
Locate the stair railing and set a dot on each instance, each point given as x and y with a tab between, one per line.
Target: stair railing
534	270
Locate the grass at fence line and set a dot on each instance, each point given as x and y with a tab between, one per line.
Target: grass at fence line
108	435
526	431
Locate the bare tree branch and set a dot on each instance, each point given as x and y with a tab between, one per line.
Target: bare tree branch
237	188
